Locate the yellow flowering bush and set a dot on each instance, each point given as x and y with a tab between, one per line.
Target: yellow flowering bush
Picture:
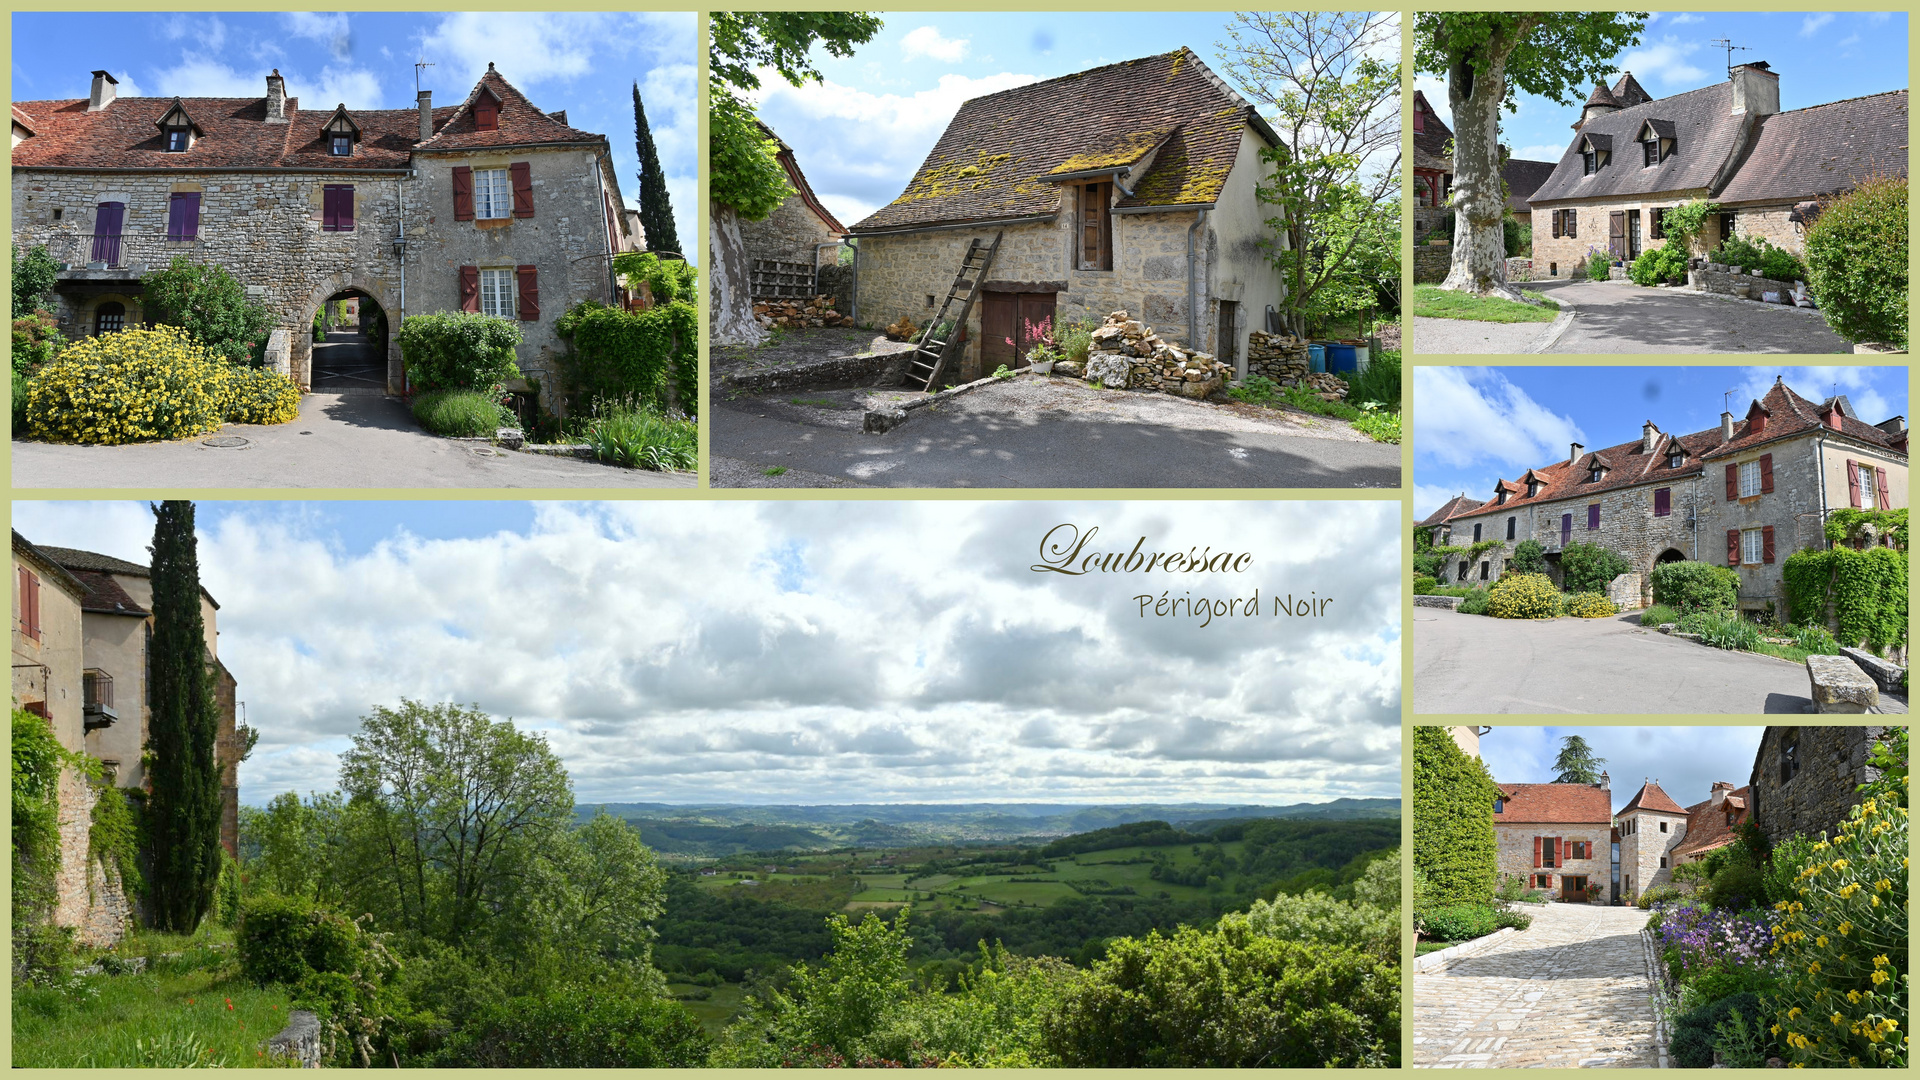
141	385
1523	596
1590	605
1842	945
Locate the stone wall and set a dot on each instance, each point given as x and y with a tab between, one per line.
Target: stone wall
1832	765
1519	268
837	281
1773	224
1280	357
1557	257
1430	263
790	234
1718	278
1516	852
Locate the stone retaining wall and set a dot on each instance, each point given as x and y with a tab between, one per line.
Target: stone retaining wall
1519	268
1451	603
1727	283
1430	263
865	368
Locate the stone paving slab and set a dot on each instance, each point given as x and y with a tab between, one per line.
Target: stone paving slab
1571	991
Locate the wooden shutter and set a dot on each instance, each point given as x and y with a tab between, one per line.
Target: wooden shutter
1573	223
1853	482
1766	473
183	215
1733	483
1766	543
462	193
1556	224
469	288
1536	850
529	293
336	208
1617	234
522	174
30	603
486	112
1593	516
1662	502
1566	528
1733	547
1880	482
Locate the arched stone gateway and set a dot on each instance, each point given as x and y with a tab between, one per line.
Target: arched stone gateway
1670	555
350	357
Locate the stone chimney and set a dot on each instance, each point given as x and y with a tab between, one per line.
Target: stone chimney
1721	789
102	95
1893	425
1606	782
1726	427
276	98
426	114
1649	438
1573	452
1756	89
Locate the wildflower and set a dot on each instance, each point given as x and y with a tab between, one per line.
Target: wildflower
1836	1019
1880	977
1846	928
1813	968
1880	961
1821	941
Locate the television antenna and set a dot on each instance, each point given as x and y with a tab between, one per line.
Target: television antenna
418	66
1727	399
1731	48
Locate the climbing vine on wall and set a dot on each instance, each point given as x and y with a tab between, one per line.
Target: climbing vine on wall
1453	838
630	359
115	836
1861	593
1844	524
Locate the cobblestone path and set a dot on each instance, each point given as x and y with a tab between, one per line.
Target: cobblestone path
1568	992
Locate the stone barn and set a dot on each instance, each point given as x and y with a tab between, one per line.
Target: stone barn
1129	186
801	232
1746	494
490	204
1806	780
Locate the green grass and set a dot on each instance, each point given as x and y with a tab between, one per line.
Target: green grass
458	413
644	439
1657	614
714	1006
1784	652
1433	302
1379	424
777	470
1422	948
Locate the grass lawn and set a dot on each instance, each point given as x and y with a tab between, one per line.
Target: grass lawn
1422	948
1433	302
714	1006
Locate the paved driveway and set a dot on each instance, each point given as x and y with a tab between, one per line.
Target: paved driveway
1441	337
1620	317
1476	664
1570	991
341	440
1037	432
347	360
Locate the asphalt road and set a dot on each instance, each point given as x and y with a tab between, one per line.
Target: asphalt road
355	440
1020	436
1476	664
1619	317
346	360
1442	337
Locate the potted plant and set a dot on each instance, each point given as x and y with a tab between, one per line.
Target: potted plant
1041	357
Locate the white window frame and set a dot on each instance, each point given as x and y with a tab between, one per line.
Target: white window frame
1749	478
492	194
1753	547
1869	491
498	292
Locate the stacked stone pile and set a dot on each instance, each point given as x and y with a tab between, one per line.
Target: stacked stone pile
1329	386
793	314
904	330
1127	354
1280	357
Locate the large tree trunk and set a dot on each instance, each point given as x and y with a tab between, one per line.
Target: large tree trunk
732	308
1479	203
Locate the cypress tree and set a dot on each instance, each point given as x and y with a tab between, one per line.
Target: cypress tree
183	811
656	208
1453	839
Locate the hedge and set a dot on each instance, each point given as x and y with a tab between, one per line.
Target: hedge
1857	262
458	350
1862	593
1453	839
1687	587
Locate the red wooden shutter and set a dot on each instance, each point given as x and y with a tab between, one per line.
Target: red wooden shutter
1733	547
1733	483
469	288
1662	502
1766	543
30	603
1536	850
462	193
1853	482
1880	482
1766	472
522	173
529	294
486	112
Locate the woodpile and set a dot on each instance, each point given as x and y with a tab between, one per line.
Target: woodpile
794	314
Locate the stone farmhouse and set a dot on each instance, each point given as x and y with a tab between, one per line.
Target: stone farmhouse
1129	186
801	230
1556	837
1806	780
1748	493
1652	828
81	630
490	204
1635	156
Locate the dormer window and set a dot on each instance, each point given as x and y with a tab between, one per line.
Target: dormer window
177	129
1590	162
1675	458
340	133
1533	488
177	140
339	146
1656	141
1594	151
1593	475
486	112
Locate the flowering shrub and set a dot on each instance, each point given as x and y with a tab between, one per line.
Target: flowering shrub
140	385
1523	596
1842	942
1590	606
261	396
1693	938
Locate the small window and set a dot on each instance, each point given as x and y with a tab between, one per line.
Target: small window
1867	487
340	146
1663	862
1726	225
1553	269
496	293
1658	219
1484	567
1464	567
110	317
1593	516
1590	163
1096	226
1593	476
1752	547
1476	531
1663	826
1510	527
1789	756
1675	459
1499	806
57	213
1651	151
492	194
176	140
1749	478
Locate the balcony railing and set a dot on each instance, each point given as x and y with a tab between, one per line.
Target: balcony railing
96	692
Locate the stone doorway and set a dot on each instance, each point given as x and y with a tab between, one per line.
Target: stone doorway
350	348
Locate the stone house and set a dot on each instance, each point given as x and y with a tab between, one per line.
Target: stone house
1806	780
1432	160
1556	837
1748	493
1652	827
1635	156
801	229
487	205
1711	822
1129	186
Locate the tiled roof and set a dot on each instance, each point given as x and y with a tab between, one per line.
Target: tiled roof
23	119
1459	502
44	558
990	162
1787	414
800	186
1823	149
1554	804
79	561
1601	96
1627	91
1651	797
235	133
1705	132
1707	826
1430	137
1523	179
105	596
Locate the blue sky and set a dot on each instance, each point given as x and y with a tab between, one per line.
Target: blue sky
860	136
799	651
1819	56
1685	761
1474	426
583	62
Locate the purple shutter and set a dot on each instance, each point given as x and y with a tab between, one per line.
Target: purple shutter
329	210
1566	528
336	208
192	228
107	219
1662	502
1593	517
183	215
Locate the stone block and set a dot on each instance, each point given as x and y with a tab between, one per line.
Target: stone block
881	421
1110	369
1451	603
299	1040
1885	673
1164	268
1839	686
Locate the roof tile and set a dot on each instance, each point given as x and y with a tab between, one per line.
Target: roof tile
1554	804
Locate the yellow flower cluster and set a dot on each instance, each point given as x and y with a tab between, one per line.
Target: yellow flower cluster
142	385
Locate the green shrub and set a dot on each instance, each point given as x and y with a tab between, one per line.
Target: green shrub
210	305
1529	558
36	340
1476	602
460	413
1523	596
1693	1034
1688	587
1658	615
1519	920
1739	251
667	279
1380	382
579	1028
1815	639
1781	265
1460	922
1736	888
1599	265
1722	630
1664	264
134	386
1453	840
1075	340
627	359
1857	262
1866	591
1710	984
261	396
1590	567
34	273
1423	585
284	939
1590	606
644	440
458	350
37	760
1657	894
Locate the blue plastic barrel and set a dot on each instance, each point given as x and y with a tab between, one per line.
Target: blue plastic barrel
1342	358
1316	358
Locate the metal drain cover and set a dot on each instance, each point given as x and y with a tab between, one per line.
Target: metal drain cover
225	441
487	451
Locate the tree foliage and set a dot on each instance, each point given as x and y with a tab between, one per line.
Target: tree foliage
1453	840
209	304
656	205
1529	557
1576	763
1590	567
34	272
1857	261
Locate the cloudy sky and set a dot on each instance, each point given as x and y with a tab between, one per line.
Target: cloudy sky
583	62
1479	425
809	652
1685	761
861	134
1820	57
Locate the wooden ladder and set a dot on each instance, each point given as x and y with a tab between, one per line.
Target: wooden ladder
930	355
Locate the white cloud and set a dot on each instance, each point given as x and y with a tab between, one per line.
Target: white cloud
1850	39
533	47
209	33
1811	24
1682	19
126	86
926	41
203	76
1474	416
1666	62
331	30
1541	152
1430	497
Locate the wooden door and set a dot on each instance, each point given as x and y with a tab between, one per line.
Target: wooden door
1617	234
1633	234
1010	324
1573	888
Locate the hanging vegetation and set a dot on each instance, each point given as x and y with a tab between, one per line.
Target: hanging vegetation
631	359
